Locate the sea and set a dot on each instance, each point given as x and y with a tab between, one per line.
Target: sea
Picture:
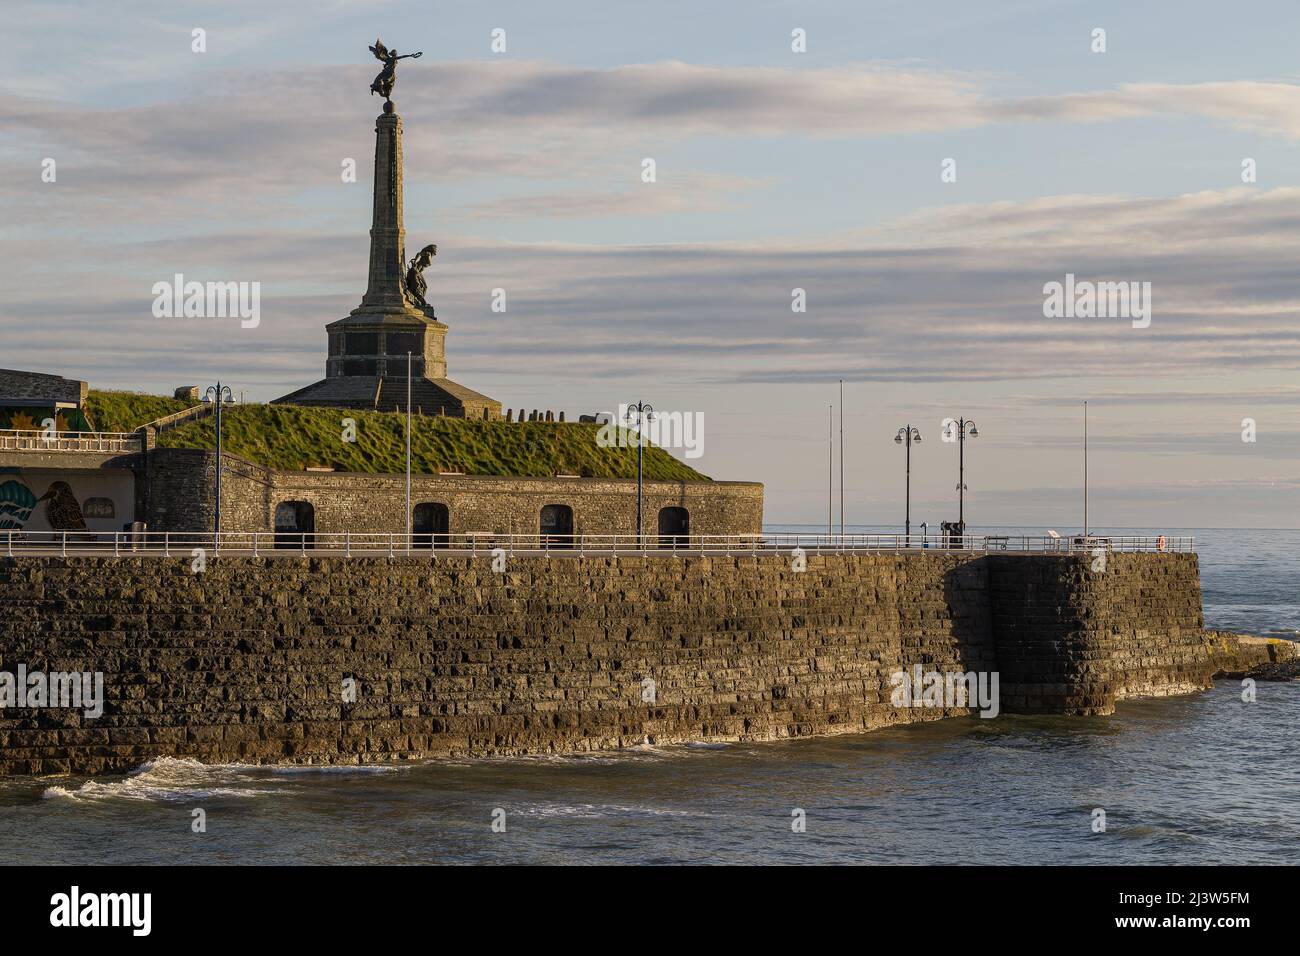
1206	778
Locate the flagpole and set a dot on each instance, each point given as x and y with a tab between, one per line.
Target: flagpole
408	452
1085	468
830	467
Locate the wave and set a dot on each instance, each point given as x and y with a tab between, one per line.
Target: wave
169	779
296	769
598	810
179	779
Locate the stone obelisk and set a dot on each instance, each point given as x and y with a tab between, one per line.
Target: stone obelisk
386	290
375	337
366	365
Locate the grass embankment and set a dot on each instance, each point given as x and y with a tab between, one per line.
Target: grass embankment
127	411
289	438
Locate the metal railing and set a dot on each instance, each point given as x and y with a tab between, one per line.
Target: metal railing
12	439
183	417
432	544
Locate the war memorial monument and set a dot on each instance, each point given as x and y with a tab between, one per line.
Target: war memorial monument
488	613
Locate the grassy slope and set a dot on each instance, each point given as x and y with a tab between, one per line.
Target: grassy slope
288	438
127	411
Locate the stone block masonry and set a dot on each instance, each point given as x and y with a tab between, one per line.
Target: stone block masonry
174	492
249	660
1071	640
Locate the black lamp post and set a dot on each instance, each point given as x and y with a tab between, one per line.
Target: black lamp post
963	425
220	394
906	435
644	413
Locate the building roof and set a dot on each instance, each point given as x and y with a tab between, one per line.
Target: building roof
19	388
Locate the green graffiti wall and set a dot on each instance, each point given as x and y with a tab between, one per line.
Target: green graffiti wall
31	418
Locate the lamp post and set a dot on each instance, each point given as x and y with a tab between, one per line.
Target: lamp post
408	452
963	426
906	435
644	413
220	394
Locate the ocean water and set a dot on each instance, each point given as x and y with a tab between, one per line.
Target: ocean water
1204	778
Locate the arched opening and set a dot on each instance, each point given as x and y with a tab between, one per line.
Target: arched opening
295	524
674	527
430	522
556	526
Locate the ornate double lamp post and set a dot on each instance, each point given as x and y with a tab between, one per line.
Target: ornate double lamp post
222	395
906	435
636	416
964	427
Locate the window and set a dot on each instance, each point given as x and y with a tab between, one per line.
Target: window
674	527
360	367
295	524
362	343
556	526
430	522
399	343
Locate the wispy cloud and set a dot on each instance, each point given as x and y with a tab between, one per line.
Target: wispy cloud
272	133
961	301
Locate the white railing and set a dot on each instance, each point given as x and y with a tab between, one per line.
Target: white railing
184	416
364	544
12	439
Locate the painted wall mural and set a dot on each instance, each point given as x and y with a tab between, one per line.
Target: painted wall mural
46	499
29	419
16	503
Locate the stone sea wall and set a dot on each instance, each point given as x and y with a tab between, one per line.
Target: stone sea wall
251	660
1073	640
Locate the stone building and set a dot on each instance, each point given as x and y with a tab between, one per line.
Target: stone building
29	398
175	490
52	464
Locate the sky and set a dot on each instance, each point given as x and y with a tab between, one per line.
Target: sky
828	170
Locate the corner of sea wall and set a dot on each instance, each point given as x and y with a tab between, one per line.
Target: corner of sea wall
1075	633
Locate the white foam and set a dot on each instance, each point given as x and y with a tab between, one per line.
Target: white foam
339	768
595	810
169	779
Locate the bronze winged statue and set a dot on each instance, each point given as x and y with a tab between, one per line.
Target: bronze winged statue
383	84
415	284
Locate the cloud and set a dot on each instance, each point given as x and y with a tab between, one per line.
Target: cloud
275	134
959	301
1261	107
693	193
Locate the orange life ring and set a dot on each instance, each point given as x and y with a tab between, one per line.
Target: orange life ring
1160	543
